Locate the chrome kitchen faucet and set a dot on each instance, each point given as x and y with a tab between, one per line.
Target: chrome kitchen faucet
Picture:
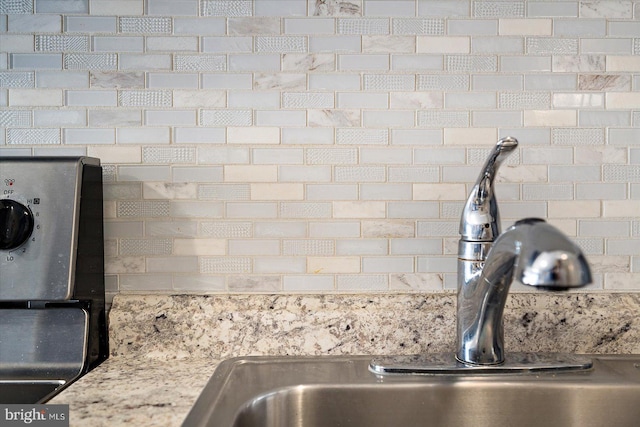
531	252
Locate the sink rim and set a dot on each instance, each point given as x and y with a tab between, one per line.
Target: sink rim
226	393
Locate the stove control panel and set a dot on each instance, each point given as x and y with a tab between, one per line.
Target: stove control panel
40	200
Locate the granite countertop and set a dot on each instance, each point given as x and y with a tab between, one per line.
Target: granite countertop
164	348
136	392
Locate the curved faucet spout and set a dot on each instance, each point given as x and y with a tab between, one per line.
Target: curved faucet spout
532	252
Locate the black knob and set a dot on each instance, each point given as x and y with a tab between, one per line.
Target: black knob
16	224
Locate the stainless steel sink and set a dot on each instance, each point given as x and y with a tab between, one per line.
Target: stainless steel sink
341	391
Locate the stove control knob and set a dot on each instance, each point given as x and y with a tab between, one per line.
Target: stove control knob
16	224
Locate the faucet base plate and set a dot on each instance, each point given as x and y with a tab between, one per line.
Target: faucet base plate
447	364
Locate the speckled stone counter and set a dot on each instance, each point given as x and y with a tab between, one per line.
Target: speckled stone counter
164	348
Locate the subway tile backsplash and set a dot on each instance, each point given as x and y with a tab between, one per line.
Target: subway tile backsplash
324	145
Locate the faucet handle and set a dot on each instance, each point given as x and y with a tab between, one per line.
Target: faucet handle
508	143
480	220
